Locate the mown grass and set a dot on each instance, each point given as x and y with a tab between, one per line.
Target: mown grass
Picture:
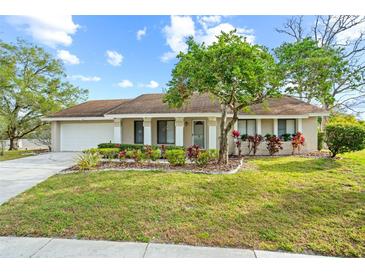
281	203
15	154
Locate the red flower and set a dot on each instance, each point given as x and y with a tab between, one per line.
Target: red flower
117	145
236	133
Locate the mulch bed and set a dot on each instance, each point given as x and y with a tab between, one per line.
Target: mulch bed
318	155
212	168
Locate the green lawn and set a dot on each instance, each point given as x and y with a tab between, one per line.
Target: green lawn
286	203
15	154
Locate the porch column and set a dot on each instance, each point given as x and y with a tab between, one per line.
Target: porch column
179	131
147	130
212	129
117	131
276	132
258	127
300	125
55	133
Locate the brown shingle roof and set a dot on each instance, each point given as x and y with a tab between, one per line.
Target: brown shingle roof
94	108
152	103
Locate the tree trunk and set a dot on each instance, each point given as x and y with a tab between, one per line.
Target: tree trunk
223	140
13	143
224	131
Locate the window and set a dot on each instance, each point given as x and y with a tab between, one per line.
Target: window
138	132
286	126
166	132
247	127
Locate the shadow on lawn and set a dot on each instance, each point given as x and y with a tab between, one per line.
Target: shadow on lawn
301	166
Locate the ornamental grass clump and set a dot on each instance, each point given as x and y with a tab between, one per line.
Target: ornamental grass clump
176	157
88	160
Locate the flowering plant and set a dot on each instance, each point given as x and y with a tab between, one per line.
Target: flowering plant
297	142
273	144
236	135
253	143
192	152
122	155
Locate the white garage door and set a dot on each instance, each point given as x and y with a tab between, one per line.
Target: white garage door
80	136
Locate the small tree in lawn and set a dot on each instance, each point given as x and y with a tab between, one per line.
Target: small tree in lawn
234	72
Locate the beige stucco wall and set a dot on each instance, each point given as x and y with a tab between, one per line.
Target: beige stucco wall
128	130
309	126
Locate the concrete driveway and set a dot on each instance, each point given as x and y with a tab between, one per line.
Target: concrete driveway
21	174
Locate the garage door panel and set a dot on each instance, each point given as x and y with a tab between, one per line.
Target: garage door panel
80	136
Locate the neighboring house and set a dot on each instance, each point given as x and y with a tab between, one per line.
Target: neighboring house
147	120
28	144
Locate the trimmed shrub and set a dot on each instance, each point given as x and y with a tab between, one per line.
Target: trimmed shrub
122	155
213	153
108	145
109	153
203	158
152	154
176	157
286	137
344	137
88	160
320	140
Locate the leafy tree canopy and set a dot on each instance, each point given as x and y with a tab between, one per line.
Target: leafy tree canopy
310	70
231	70
32	85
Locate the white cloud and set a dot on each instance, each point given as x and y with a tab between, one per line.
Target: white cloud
67	57
151	84
141	33
180	28
51	30
125	84
114	58
206	21
209	35
207	29
86	78
351	34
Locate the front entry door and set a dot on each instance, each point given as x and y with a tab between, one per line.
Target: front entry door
199	133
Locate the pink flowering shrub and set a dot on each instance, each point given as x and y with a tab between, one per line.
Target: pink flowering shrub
236	136
273	144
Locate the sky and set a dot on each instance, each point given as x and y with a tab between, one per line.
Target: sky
125	56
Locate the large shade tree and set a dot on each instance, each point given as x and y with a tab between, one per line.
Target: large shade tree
346	34
310	70
31	85
231	70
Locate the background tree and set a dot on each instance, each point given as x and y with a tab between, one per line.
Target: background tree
310	70
346	34
42	136
232	71
31	85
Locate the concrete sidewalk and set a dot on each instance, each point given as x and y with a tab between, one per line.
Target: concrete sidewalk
25	247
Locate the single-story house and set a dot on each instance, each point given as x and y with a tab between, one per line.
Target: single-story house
147	120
